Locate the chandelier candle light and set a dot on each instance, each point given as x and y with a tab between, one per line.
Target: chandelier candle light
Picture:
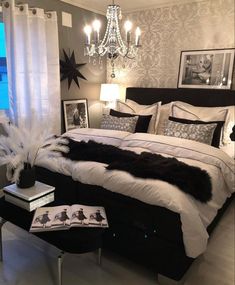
112	44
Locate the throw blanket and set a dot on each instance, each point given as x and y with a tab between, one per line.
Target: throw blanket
191	180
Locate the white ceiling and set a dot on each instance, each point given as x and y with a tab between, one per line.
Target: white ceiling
100	6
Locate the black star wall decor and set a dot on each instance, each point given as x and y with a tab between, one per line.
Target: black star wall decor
69	69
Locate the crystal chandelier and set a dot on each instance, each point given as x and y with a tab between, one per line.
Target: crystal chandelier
112	44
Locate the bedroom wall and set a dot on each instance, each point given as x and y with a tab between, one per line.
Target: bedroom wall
166	31
73	39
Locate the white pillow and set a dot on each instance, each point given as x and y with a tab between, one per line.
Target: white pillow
165	111
229	149
190	112
132	107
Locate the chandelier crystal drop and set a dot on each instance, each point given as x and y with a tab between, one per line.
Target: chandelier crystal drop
112	43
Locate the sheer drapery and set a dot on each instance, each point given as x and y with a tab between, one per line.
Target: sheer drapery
33	64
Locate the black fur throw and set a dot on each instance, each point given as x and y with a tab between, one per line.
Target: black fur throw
191	180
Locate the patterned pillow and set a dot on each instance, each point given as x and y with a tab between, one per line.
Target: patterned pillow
127	124
200	133
217	132
142	122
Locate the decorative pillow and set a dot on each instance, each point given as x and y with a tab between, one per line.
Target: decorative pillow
227	114
120	124
217	133
200	133
232	135
132	107
142	122
165	111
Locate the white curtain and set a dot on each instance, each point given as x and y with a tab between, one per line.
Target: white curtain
33	64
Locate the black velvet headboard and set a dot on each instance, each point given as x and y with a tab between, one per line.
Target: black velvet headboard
197	97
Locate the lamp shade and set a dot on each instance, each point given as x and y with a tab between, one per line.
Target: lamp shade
109	92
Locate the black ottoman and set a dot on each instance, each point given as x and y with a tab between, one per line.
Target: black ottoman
75	240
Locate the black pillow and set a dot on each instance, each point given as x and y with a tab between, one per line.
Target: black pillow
142	122
232	135
217	133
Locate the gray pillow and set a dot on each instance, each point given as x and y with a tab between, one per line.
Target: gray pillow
127	124
196	132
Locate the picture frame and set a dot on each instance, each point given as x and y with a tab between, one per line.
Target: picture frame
75	114
209	69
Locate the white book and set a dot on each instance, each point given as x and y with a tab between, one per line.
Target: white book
29	198
30	206
29	194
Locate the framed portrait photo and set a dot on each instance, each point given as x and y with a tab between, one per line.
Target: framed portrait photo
212	69
75	114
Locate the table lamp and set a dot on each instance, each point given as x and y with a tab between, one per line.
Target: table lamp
109	93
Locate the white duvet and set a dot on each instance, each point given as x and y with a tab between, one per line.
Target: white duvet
195	216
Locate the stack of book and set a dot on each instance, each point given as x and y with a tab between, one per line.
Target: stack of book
29	198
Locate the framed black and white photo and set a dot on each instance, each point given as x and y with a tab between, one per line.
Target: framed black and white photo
75	114
206	69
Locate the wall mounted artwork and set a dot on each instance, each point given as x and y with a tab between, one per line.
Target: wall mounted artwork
206	69
75	114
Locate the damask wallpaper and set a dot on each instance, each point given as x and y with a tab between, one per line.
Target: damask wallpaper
166	31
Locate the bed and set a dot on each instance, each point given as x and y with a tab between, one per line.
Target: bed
146	233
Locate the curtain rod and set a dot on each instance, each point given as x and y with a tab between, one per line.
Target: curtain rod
21	7
6	4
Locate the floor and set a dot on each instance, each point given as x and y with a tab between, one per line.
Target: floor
29	261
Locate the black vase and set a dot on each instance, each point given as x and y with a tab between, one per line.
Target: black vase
27	177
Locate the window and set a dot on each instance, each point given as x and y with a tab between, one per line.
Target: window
4	101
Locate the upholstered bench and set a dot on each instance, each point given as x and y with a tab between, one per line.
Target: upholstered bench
74	240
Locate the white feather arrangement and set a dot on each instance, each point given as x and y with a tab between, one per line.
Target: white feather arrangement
26	146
